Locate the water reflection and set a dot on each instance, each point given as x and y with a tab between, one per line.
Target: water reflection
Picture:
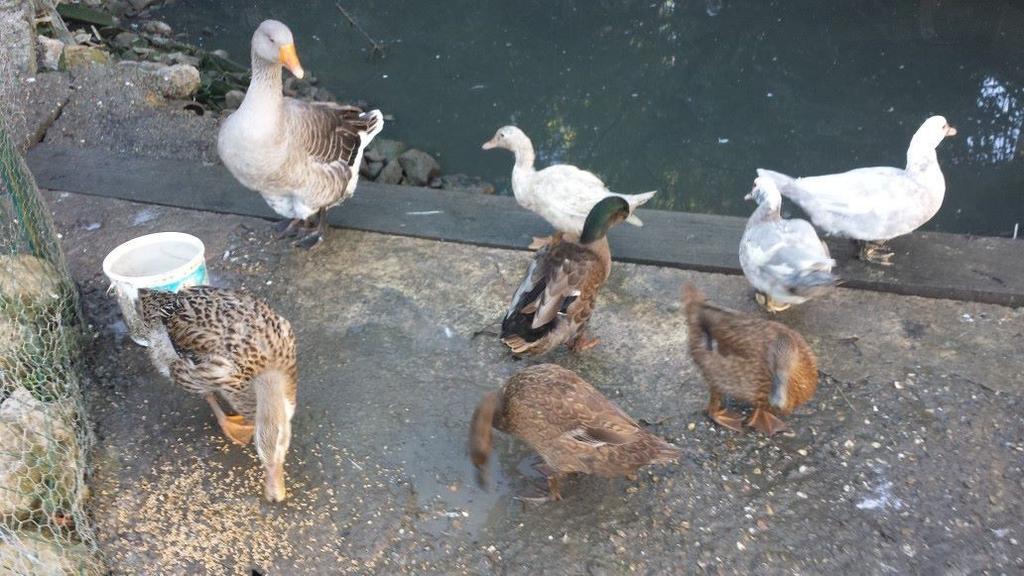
684	96
998	133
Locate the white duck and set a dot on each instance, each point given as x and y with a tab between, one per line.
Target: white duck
302	157
784	260
561	194
875	204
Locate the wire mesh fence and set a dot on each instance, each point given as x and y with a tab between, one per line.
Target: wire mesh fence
44	433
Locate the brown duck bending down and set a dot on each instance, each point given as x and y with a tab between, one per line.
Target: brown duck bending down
557	296
571	425
759	362
226	344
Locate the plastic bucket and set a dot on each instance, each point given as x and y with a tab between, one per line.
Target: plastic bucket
166	261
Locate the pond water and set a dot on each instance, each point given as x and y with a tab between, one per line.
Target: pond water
684	96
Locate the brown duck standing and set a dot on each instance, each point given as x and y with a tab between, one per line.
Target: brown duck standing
759	362
224	344
570	424
556	298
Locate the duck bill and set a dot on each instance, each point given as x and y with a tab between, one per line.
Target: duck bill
290	60
950	131
490	144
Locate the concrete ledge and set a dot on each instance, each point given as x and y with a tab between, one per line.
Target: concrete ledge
929	264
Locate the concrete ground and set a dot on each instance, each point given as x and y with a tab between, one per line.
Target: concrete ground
910	459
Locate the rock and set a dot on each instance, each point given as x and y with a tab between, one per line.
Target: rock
38	455
125	39
391	174
370	169
387	150
435	182
157	27
182	58
220	53
17	37
74	57
372	154
139	5
419	167
159	41
50	51
466	183
233	99
28	283
30	554
178	82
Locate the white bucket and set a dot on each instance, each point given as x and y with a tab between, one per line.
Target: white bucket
165	261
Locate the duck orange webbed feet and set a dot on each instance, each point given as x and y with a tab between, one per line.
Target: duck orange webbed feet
583	342
553	495
538	242
235	427
764	421
726	419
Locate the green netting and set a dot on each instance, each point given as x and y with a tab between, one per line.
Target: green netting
44	434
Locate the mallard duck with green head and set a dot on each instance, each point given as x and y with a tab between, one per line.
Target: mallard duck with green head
555	300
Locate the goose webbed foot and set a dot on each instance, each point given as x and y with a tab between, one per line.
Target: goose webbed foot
875	253
314	233
287	228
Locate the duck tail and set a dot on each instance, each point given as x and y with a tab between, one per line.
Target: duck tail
693	298
480	433
814	283
781	180
662	451
636	201
374	123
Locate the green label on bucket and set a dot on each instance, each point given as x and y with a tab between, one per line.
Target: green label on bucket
196	278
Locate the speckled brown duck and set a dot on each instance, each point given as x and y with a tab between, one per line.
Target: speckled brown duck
569	423
756	361
556	298
230	346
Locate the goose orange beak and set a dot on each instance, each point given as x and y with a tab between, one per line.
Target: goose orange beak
290	60
950	131
492	143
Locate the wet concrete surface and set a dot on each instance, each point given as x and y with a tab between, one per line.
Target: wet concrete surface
910	459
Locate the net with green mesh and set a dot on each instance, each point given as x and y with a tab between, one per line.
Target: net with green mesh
44	434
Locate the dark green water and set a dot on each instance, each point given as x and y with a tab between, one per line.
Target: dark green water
688	96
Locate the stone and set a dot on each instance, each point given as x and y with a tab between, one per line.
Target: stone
182	58
372	154
370	169
29	282
391	174
18	37
178	82
75	57
34	440
125	39
388	150
157	27
30	554
49	52
233	99
221	53
419	167
159	41
466	183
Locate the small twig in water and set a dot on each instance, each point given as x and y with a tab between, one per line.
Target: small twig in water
375	47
